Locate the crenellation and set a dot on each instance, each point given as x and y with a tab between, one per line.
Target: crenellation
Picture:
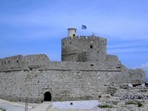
82	37
85	37
84	72
19	62
14	62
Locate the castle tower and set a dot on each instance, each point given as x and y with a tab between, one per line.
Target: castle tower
71	33
83	48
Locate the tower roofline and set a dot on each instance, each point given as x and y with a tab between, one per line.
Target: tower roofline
71	29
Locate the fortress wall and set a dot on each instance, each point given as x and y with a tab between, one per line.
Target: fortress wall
112	58
96	66
63	85
128	76
20	86
136	74
20	62
41	61
11	63
64	80
36	61
76	85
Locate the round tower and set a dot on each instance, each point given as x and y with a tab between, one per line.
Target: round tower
72	32
83	48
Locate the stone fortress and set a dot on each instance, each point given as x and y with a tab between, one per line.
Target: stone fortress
85	71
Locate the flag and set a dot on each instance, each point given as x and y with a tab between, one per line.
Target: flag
84	27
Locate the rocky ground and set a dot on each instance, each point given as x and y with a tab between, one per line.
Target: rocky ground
115	98
124	98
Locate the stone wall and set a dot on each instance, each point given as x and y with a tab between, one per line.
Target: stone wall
36	61
64	80
86	66
62	84
128	76
11	63
136	75
89	47
19	62
112	58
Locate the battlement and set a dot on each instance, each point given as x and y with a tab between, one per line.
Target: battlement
85	37
10	60
11	63
20	62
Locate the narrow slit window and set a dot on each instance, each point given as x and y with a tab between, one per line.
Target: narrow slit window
91	46
91	65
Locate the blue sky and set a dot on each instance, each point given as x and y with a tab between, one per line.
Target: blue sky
37	26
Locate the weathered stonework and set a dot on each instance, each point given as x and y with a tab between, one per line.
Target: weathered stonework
84	73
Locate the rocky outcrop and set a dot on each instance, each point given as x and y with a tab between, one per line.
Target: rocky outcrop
124	99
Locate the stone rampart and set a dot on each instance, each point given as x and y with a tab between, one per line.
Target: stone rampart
129	75
112	58
11	63
85	66
19	62
62	84
36	61
64	81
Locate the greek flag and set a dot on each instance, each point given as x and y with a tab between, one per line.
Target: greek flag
84	27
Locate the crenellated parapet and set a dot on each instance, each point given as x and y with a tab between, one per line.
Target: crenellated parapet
86	38
19	62
36	61
11	63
